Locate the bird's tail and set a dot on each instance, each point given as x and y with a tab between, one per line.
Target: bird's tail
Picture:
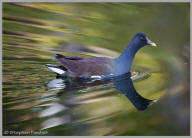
56	69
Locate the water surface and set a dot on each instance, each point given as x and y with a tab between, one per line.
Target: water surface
34	99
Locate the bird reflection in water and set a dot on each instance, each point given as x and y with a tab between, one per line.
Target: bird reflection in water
122	83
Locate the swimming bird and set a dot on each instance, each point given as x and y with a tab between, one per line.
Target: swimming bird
80	67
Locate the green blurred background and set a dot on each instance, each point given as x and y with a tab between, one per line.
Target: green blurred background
34	32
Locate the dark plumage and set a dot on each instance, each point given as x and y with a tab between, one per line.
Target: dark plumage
79	67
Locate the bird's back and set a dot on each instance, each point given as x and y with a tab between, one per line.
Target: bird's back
86	67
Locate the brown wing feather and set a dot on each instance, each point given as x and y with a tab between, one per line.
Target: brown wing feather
59	56
73	57
85	67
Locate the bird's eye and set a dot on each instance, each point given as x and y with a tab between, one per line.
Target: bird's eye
142	38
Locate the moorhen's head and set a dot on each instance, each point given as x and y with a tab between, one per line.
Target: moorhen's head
140	39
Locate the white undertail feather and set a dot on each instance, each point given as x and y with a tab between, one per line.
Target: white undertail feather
56	70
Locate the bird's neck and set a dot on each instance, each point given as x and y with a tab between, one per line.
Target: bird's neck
129	52
124	61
